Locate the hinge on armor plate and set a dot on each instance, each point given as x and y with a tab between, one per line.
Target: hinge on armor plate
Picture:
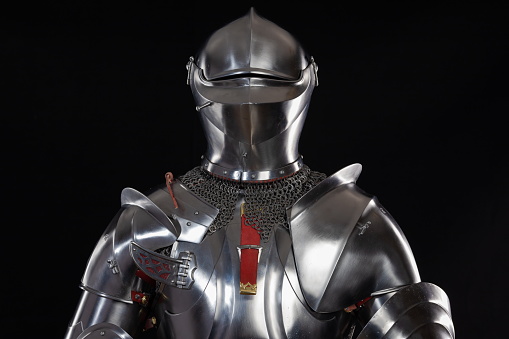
176	272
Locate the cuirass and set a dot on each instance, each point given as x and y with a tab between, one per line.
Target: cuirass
214	308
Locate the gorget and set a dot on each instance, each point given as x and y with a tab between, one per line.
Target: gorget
265	203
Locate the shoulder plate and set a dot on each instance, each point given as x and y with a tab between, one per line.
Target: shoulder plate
193	214
152	229
191	218
143	225
346	175
320	224
111	271
345	245
420	310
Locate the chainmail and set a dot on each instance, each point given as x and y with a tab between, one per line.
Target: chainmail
265	203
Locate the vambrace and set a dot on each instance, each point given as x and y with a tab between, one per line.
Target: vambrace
420	310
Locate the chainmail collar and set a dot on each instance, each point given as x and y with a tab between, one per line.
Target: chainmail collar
265	203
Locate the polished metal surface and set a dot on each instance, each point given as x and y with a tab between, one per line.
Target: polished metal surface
110	276
104	331
346	175
193	215
332	265
252	44
252	83
110	269
95	311
151	226
346	253
278	310
175	271
130	196
284	306
421	310
252	176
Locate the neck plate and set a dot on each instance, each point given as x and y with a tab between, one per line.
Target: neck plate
252	176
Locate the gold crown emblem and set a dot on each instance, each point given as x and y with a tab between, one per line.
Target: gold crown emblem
247	288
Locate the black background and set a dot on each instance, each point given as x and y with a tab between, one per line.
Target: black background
95	99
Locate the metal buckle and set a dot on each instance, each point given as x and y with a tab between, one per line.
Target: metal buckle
254	247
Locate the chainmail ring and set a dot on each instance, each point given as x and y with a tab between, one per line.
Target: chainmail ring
265	203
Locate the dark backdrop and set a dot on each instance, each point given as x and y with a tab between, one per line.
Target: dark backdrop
95	100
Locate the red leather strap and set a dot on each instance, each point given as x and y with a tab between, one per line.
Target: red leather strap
357	305
169	181
248	256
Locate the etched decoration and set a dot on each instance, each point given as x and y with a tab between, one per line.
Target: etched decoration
154	266
176	272
363	227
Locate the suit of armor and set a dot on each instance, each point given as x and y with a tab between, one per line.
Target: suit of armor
253	243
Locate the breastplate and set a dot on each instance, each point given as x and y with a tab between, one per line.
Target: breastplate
214	308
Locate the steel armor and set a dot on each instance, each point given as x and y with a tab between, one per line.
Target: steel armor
252	243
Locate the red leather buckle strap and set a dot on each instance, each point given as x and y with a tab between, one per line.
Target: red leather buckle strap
140	297
249	250
357	305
